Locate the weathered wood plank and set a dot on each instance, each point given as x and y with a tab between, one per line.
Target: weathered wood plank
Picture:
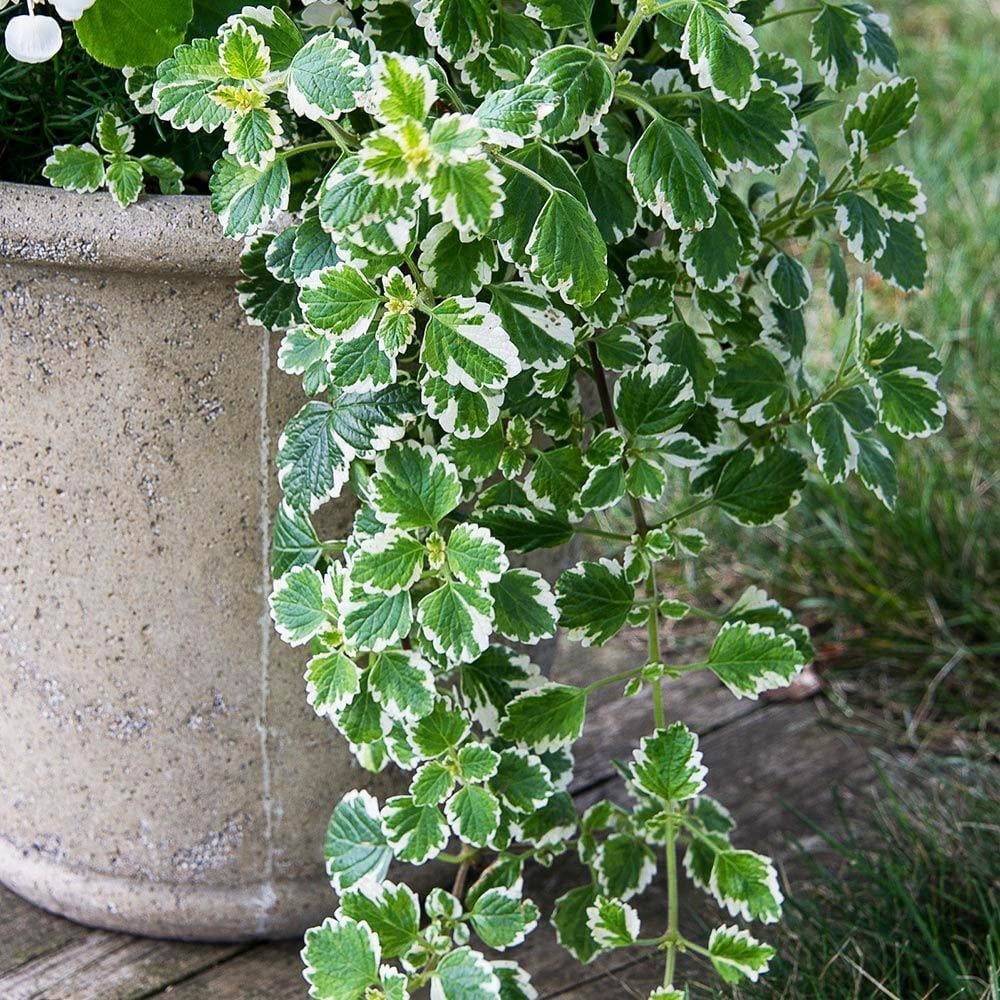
104	966
267	972
29	932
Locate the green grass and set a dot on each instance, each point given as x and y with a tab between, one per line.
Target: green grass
909	906
907	604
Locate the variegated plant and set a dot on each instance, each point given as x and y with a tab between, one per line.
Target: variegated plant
473	218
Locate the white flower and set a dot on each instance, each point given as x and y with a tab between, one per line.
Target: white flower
33	38
70	10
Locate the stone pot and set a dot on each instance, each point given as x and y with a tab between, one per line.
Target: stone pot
160	770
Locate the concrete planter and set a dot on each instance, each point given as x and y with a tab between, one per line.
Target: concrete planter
160	771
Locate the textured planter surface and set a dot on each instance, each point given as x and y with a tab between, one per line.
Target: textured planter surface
161	772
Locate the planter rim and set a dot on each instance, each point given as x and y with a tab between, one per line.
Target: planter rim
159	234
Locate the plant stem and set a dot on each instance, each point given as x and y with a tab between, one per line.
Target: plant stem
624	675
460	876
672	904
309	147
527	171
653	642
788	13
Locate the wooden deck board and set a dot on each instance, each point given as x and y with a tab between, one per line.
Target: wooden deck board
763	761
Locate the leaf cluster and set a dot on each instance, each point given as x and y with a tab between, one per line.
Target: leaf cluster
531	283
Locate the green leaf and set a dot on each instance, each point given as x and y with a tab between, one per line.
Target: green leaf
322	439
583	84
242	53
474	814
75	168
788	280
440	731
387	562
391	911
570	921
340	299
752	386
713	256
432	784
492	680
113	135
501	919
671	177
522	781
653	399
566	251
457	619
737	956
468	194
837	39
557	476
278	30
465	345
524	529
325	78
719	46
341	959
594	600
464	974
877	470
902	370
513	230
898	194
546	718
475	556
414	486
477	762
667	765
253	135
903	261
754	489
678	344
836	278
267	300
415	833
610	196
612	923
560	13
862	225
542	335
332	681
833	427
624	866
355	848
184	85
763	136
880	116
402	682
514	115
453	266
373	622
402	87
294	542
458	29
746	884
132	33
750	658
524	606
298	605
247	199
